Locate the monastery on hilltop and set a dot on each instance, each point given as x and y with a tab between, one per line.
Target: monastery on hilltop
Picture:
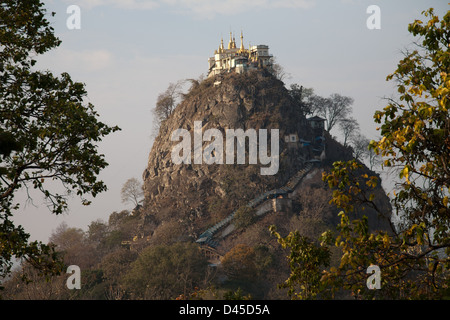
238	59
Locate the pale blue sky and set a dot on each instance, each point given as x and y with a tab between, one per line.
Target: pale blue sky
128	51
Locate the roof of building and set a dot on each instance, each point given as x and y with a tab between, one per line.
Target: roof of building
315	118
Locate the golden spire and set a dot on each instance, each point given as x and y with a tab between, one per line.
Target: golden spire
221	45
242	43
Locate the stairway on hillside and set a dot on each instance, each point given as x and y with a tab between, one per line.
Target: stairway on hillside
206	237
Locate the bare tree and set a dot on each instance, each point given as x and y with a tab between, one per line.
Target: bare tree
360	145
349	128
314	214
166	103
26	283
278	70
334	109
195	83
132	191
74	245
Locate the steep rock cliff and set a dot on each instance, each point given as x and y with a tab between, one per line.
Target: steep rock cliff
183	200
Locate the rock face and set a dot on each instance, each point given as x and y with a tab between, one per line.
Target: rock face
183	200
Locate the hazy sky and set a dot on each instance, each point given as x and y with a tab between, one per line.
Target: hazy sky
128	51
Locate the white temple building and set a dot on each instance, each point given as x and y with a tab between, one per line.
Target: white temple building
238	59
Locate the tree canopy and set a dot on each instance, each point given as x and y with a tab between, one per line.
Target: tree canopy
163	272
132	192
413	257
47	130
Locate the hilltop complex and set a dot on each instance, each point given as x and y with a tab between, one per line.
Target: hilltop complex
238	59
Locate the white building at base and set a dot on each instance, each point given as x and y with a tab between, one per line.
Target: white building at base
238	59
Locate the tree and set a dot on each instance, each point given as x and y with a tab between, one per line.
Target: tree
74	247
278	70
132	192
27	283
239	263
349	128
314	213
373	158
167	101
114	266
247	268
302	98
360	145
165	272
244	217
334	109
306	261
415	140
47	131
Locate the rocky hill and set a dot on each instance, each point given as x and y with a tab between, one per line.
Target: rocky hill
223	209
223	205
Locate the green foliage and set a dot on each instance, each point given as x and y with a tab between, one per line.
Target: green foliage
307	262
244	217
236	295
302	98
351	187
414	257
113	239
165	272
116	264
416	130
246	270
55	133
239	263
92	286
